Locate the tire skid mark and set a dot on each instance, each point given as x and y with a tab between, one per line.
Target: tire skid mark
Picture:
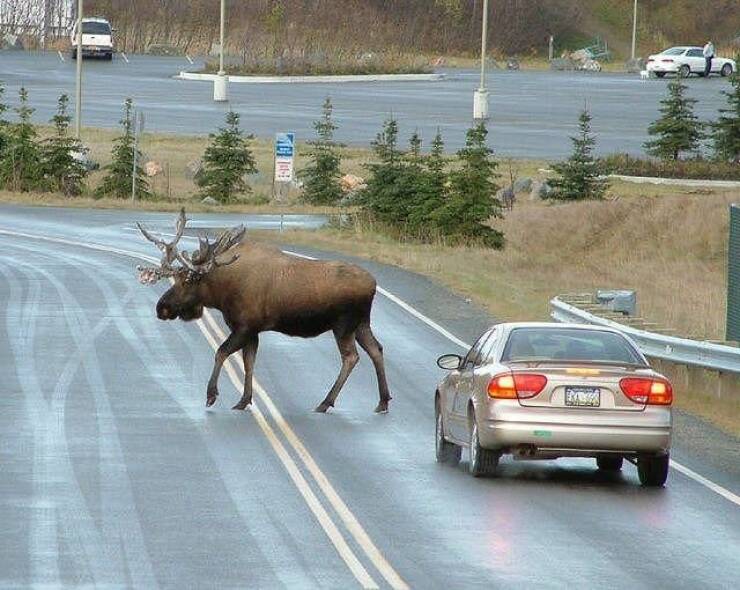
278	556
43	531
111	465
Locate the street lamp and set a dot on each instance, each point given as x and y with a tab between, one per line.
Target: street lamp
220	92
634	29
78	90
480	99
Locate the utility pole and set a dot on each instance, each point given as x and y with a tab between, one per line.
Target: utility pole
634	29
78	92
480	99
220	92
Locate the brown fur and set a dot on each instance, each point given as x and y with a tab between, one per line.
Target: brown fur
267	290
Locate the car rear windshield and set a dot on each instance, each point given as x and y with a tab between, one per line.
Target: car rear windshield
96	28
674	51
569	344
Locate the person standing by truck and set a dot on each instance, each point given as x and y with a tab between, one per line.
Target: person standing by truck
708	56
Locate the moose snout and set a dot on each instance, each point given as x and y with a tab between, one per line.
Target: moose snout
164	312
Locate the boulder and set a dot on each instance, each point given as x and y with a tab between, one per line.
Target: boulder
350	183
522	185
540	190
83	158
210	201
152	168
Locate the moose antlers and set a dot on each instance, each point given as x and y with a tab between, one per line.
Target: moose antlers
200	262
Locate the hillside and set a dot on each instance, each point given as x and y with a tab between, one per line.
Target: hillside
297	28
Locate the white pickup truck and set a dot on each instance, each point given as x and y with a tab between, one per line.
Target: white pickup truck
97	39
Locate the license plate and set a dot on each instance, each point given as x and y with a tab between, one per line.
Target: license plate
589	397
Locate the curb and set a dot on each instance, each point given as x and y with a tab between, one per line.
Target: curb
313	79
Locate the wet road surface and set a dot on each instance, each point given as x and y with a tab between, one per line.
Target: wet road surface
115	475
532	113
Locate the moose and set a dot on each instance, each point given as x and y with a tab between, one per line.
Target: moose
258	288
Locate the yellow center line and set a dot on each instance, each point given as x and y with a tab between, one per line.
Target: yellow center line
348	518
331	530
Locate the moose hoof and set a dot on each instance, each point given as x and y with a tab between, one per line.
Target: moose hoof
323	407
382	407
210	400
241	405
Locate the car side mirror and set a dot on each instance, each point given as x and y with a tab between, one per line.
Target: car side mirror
449	362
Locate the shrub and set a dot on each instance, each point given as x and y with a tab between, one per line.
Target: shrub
579	176
678	130
695	168
321	176
226	161
21	167
726	131
64	172
119	178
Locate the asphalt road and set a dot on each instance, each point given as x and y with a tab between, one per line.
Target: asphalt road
115	475
532	112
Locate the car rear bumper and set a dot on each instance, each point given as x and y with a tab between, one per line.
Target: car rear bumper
510	425
666	68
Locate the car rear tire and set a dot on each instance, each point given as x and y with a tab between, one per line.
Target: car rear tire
446	452
660	74
726	70
653	470
684	71
609	463
482	461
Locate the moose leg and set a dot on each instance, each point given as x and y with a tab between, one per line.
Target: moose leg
366	339
249	352
348	350
234	342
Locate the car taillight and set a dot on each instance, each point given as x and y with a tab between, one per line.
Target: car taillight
513	386
668	61
654	392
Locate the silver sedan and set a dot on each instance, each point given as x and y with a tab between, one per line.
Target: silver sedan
543	391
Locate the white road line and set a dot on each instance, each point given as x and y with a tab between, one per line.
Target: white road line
331	530
348	518
716	488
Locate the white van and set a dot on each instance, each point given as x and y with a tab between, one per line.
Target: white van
97	39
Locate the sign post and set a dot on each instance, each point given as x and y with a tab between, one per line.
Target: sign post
284	161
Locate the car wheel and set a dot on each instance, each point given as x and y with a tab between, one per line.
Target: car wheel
660	74
446	451
653	470
609	463
726	70
684	71
482	461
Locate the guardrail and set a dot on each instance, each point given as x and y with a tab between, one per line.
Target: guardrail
723	358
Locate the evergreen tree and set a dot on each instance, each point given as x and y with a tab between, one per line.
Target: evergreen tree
432	190
64	172
225	163
726	131
578	176
678	129
3	122
385	196
21	167
118	180
321	185
471	202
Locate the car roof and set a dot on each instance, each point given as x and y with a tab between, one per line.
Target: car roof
556	325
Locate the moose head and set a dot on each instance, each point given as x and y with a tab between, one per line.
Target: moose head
187	271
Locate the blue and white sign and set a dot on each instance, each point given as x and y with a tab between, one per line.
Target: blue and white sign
284	156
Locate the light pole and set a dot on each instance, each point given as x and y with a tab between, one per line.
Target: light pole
78	90
220	92
634	30
480	99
